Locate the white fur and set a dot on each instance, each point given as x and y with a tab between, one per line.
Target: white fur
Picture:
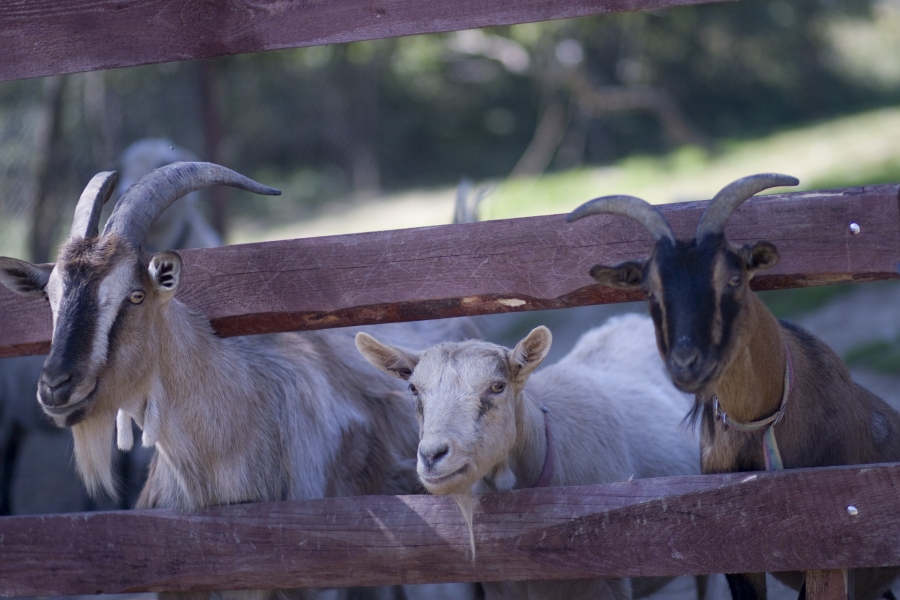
613	413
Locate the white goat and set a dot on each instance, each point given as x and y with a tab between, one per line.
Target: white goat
605	412
182	225
257	418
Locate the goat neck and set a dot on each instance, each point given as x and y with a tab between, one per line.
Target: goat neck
174	392
752	385
529	453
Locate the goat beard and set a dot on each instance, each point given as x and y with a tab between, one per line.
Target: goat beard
93	452
466	503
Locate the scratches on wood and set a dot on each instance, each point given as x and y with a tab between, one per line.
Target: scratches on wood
786	520
533	263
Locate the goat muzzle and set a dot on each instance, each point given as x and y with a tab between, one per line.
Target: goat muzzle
64	397
689	371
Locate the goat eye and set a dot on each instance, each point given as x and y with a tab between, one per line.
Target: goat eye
497	387
414	389
136	297
735	281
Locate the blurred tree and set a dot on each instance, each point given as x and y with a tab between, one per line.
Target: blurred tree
355	119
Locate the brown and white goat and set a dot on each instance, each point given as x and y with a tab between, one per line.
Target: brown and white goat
256	418
753	375
487	422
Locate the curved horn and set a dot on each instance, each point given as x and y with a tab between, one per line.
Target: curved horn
87	212
732	195
146	200
626	206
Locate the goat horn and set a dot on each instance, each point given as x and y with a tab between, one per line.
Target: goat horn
146	200
87	212
626	206
732	195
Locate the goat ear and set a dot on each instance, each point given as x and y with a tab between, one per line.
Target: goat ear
759	256
23	277
626	275
165	272
530	352
396	362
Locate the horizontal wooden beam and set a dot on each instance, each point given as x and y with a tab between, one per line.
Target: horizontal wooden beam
740	522
495	266
52	37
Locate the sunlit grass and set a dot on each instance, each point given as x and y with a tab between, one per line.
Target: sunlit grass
848	151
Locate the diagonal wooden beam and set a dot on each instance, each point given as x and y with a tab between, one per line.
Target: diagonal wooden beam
739	522
53	37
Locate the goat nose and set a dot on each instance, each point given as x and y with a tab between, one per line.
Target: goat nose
53	379
685	358
55	387
431	454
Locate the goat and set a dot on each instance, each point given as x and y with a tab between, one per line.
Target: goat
486	423
256	418
759	382
26	434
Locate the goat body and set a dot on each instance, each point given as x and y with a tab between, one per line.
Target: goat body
270	417
257	418
612	412
720	342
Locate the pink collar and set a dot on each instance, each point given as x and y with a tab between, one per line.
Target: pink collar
547	471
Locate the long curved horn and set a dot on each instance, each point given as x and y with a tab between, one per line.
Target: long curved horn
626	206
732	195
87	212
146	200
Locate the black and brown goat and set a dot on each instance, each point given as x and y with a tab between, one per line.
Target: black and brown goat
769	394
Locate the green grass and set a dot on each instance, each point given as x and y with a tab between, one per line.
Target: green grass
853	150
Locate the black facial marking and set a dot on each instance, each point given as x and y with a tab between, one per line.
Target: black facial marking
657	316
115	333
485	405
76	324
76	416
164	275
729	306
686	271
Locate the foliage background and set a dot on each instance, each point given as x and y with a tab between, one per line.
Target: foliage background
675	88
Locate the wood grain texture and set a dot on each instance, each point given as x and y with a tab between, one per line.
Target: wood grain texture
828	584
508	265
52	37
739	522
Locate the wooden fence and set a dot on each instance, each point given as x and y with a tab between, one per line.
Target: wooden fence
793	520
689	525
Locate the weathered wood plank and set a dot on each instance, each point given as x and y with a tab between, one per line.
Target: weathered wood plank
51	37
495	266
830	584
740	522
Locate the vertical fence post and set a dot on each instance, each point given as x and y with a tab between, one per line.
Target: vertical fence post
831	584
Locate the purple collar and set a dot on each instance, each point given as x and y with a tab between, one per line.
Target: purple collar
547	471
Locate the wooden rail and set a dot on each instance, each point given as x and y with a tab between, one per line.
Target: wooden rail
495	266
740	522
52	37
